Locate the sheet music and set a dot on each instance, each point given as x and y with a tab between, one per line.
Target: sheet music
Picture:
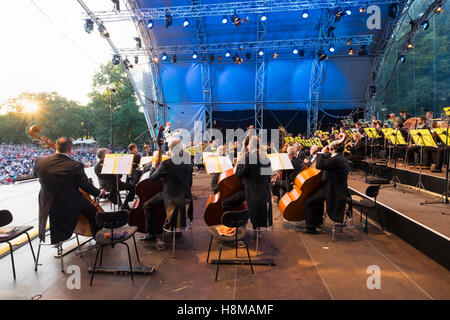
217	164
108	164
145	160
280	161
124	163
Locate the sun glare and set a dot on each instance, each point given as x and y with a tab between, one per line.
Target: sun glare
29	106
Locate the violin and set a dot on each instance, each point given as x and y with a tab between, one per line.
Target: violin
146	189
83	227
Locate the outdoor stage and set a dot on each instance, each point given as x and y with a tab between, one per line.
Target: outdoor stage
307	266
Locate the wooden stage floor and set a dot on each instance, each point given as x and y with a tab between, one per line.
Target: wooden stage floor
307	267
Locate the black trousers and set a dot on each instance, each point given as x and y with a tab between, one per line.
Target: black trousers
314	209
233	201
150	207
90	211
440	155
122	186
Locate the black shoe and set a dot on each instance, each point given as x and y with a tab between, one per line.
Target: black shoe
436	170
309	230
148	237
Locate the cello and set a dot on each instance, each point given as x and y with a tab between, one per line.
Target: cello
145	190
307	182
83	227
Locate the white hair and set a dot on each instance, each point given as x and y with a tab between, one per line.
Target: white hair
173	143
291	150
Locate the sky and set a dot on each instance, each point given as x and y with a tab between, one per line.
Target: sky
37	55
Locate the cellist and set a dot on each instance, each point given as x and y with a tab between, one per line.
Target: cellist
333	189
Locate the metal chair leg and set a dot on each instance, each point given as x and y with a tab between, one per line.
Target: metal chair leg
78	243
249	259
37	257
209	249
95	265
12	260
31	246
135	247
129	260
173	244
236	243
218	261
257	241
61	256
333	232
101	256
192	237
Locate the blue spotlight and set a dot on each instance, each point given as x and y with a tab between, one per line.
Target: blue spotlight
305	14
150	24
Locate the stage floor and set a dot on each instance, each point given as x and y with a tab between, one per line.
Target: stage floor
307	266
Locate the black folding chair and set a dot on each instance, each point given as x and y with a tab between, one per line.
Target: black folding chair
5	219
232	219
112	223
372	192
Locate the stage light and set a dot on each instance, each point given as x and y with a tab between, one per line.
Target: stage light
305	14
237	59
261	53
155	59
150	24
115	60
248	55
349	41
301	52
186	23
194	56
236	20
174	58
168	21
127	64
164	57
295	51
275	55
103	32
136	59
227	54
224	20
211	57
263	18
439	9
363	51
331	48
425	24
339	14
330	32
138	42
409	46
393	10
351	52
402	59
88	25
321	55
362	9
219	58
348	11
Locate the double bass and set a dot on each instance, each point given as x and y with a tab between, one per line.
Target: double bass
145	190
228	184
83	227
307	182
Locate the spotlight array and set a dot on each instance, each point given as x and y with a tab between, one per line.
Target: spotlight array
88	25
115	60
103	32
127	64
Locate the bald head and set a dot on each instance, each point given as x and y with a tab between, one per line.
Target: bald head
64	145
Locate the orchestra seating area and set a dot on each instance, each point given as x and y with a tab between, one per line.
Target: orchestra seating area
306	267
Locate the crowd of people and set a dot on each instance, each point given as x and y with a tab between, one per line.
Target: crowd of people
17	160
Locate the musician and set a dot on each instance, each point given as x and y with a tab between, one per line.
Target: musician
359	128
147	151
135	175
429	118
356	148
253	168
297	162
221	151
333	190
177	182
110	182
405	116
59	197
312	157
414	150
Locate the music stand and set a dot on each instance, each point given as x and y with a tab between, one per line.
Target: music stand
396	139
443	135
423	138
117	164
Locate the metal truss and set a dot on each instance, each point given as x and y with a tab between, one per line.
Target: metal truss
224	9
317	76
207	83
253	46
155	108
389	34
100	24
260	75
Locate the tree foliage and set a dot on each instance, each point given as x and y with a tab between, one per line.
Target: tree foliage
59	116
